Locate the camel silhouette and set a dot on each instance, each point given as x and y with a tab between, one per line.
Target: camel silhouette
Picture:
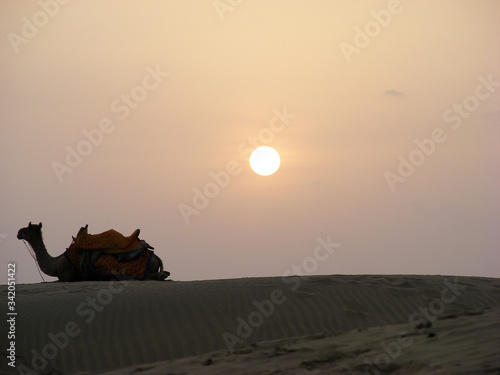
62	268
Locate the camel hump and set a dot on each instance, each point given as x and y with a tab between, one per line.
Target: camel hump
110	241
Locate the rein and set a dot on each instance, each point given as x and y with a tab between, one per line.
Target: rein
33	255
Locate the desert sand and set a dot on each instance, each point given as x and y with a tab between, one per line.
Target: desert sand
342	324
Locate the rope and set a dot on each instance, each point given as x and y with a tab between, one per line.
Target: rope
33	255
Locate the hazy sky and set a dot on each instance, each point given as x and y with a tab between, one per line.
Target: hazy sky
121	114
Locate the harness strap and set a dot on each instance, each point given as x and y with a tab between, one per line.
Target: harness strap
32	252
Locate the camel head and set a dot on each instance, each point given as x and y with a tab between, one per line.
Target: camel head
30	232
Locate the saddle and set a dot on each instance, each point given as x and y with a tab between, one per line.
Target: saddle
107	252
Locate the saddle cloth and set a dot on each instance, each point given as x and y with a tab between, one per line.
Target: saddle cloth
108	255
110	242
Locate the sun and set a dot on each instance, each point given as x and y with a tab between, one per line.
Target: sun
264	160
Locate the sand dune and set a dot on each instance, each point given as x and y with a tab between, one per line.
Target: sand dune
466	344
260	325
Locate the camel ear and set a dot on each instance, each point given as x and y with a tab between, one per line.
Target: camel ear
40	224
29	225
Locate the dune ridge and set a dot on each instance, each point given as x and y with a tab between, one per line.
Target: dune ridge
110	325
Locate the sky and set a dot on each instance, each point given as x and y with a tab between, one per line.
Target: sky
143	114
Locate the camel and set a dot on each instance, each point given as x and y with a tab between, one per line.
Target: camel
62	268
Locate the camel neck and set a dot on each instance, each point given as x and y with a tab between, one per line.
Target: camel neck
47	263
38	245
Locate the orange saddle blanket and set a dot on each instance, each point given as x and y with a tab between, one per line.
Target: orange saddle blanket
102	255
109	242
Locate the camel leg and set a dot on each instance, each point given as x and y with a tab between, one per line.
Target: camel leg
155	269
159	276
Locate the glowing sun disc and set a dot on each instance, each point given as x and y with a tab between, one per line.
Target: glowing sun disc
264	161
